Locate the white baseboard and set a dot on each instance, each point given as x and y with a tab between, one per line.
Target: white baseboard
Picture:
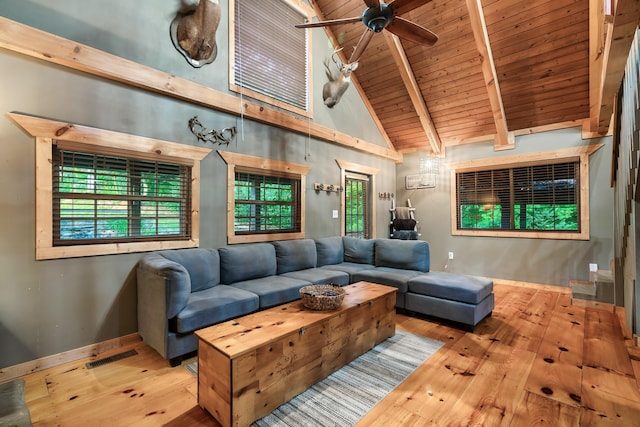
36	365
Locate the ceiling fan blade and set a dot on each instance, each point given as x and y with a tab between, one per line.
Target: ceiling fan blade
362	45
410	31
372	3
403	6
330	22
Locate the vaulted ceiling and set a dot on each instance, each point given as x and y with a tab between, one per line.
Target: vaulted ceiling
499	68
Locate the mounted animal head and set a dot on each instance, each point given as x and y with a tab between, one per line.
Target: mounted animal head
194	32
337	85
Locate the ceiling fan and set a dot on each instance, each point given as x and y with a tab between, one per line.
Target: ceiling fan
379	16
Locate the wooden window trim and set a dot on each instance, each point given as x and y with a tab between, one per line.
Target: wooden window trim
100	141
243	161
304	9
345	168
545	157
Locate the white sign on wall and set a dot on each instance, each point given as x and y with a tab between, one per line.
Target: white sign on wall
414	182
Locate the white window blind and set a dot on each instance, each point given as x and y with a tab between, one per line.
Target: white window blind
271	55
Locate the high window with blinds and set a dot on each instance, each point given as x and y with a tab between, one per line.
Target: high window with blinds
270	57
266	203
532	198
107	199
357	206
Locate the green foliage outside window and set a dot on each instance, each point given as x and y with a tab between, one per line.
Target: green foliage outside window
537	197
526	217
356	209
99	197
265	204
545	217
478	216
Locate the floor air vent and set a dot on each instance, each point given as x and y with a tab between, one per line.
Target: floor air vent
114	358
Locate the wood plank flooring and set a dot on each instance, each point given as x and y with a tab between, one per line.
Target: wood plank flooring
537	361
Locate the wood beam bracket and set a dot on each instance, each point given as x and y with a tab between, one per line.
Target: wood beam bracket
504	140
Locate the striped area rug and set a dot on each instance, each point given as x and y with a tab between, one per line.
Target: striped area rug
346	396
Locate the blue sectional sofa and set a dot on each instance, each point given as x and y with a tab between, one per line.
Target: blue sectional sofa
183	290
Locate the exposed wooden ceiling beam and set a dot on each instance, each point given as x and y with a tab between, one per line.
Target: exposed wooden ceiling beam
415	94
39	44
596	61
626	17
504	139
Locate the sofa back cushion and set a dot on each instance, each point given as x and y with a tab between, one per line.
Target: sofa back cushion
203	265
404	254
294	255
246	262
330	251
358	250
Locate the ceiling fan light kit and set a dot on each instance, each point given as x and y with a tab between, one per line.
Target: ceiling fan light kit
379	16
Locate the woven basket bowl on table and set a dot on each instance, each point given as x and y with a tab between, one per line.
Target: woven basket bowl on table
322	297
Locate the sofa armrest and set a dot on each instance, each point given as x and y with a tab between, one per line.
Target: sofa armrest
163	289
157	274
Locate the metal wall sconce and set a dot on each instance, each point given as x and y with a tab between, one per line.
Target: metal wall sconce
327	187
385	196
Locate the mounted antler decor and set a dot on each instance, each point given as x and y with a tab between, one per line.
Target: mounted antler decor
337	85
224	136
193	32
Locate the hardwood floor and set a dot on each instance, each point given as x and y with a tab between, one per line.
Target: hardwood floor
538	360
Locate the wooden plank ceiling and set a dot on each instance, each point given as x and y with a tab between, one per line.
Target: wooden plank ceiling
540	51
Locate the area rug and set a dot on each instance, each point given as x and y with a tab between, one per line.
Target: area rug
346	396
13	410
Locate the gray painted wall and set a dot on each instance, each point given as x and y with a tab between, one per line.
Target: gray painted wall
48	307
531	260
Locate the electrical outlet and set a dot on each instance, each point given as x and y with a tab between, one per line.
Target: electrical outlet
450	255
334	213
593	268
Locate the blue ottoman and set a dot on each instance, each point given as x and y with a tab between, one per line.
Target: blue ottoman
456	297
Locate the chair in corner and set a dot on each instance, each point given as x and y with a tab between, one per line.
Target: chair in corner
403	224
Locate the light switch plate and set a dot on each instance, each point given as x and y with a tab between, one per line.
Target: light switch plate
335	213
593	268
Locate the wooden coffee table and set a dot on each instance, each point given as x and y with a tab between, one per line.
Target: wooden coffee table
249	366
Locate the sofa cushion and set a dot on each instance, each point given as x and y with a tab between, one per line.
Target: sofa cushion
461	312
402	254
246	262
273	290
358	250
395	277
203	265
450	286
293	255
214	305
349	267
320	276
330	250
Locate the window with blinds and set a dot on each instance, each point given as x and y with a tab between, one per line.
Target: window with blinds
270	56
266	203
535	198
357	206
108	199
